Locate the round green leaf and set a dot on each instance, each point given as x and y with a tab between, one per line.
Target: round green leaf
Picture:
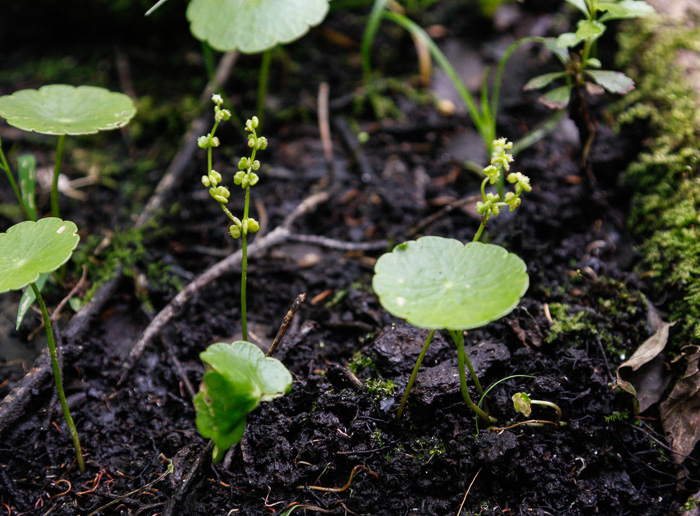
62	109
439	283
252	26
30	248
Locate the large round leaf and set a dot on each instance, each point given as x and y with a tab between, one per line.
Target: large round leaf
62	109
252	26
30	248
439	283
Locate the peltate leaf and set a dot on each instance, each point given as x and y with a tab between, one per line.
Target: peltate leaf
63	109
30	248
624	9
253	26
439	283
614	82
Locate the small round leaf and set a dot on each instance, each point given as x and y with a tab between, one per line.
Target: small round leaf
253	26
30	248
62	109
439	283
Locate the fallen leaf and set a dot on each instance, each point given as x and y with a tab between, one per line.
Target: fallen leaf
680	413
644	375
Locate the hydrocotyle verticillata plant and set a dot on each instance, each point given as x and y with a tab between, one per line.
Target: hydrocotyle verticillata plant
27	250
62	110
441	284
238	377
245	178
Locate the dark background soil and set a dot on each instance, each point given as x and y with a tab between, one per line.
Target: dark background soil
330	424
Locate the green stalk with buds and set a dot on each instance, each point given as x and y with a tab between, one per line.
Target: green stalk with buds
245	178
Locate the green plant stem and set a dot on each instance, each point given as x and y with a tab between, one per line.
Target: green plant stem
483	396
412	379
375	17
462	358
263	80
57	377
56	173
479	232
6	167
244	267
548	404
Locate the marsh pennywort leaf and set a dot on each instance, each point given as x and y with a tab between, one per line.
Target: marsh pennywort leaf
253	26
239	376
62	109
29	249
440	283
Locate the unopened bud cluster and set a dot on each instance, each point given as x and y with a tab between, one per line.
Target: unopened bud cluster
245	177
500	160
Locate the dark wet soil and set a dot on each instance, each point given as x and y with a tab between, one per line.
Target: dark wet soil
333	446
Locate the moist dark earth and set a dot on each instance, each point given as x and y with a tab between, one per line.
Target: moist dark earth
333	445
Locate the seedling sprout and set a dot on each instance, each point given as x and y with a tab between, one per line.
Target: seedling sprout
238	377
28	250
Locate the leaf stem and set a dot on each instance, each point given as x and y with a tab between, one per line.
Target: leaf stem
412	379
244	267
462	358
57	377
56	173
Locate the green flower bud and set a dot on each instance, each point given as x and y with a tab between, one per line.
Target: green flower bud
262	143
251	142
221	114
217	99
243	163
214	141
255	122
239	177
205	181
235	231
253	178
256	165
203	142
214	177
220	193
493	173
522	182
253	225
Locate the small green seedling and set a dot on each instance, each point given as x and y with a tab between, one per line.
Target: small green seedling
245	178
238	377
62	110
581	67
523	404
441	284
28	250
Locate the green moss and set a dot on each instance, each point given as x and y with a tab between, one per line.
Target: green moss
667	190
127	250
380	389
360	362
609	312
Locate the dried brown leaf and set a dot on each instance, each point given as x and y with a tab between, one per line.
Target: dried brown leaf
680	413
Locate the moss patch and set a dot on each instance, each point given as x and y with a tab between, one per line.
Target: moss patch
665	176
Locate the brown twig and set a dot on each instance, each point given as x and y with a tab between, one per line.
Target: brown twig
285	323
324	129
80	285
275	237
